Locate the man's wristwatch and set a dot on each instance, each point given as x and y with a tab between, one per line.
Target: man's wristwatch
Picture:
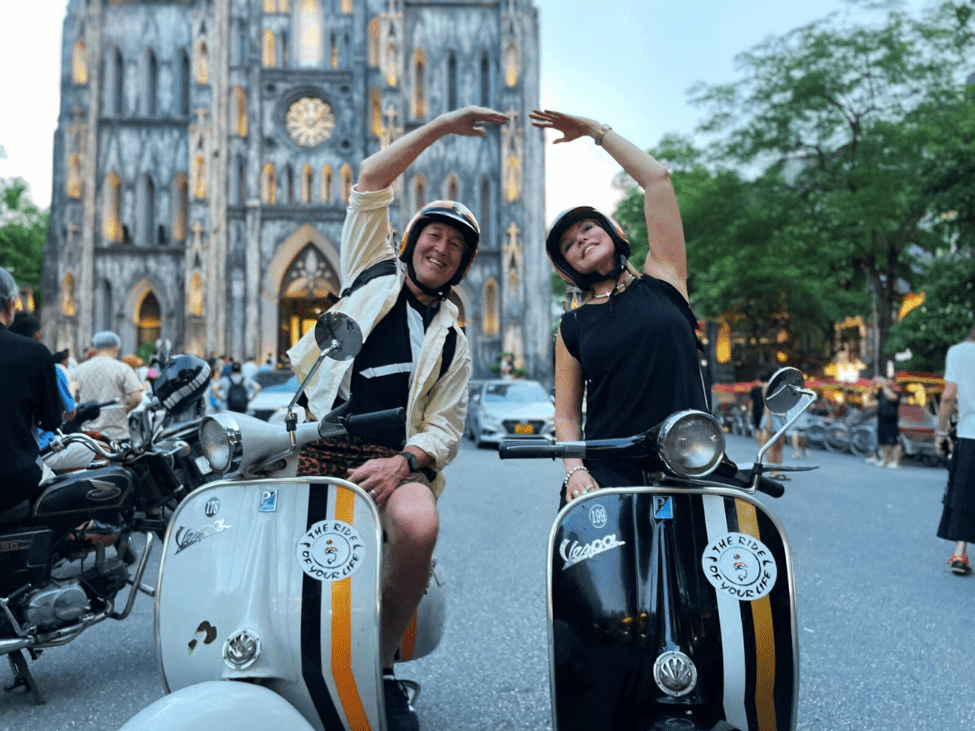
410	460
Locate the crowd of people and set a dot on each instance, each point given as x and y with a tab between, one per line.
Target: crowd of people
626	358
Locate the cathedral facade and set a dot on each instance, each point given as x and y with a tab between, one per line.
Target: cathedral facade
206	149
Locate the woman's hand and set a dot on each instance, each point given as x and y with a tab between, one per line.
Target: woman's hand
572	128
468	121
580	483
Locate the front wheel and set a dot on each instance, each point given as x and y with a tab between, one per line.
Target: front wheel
863	441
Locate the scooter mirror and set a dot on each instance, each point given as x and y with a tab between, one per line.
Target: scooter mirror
784	390
338	334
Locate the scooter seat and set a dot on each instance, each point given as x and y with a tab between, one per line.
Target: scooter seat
17	513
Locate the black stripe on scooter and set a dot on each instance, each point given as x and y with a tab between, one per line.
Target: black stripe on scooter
311	624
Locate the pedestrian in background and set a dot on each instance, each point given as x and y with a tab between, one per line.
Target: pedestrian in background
758	407
958	516
104	377
888	401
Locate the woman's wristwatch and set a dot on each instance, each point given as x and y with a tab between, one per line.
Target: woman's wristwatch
601	133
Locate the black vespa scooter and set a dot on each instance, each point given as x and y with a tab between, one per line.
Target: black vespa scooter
672	606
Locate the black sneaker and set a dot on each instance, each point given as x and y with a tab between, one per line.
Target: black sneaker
400	715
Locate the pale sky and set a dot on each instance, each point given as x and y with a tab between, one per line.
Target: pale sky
628	63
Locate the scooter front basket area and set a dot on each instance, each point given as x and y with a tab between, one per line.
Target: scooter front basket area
671	608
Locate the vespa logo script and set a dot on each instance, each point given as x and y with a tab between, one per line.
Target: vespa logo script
103	491
573	552
186	537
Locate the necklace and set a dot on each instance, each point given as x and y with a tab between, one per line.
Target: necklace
620	286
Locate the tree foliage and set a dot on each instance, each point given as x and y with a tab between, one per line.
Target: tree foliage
23	231
859	146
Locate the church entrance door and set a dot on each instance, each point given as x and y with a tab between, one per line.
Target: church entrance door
309	287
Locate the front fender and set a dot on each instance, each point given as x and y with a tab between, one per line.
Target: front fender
217	705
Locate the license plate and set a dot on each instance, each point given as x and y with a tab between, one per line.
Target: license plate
524	429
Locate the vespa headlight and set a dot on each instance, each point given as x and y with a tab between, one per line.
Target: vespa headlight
691	443
220	443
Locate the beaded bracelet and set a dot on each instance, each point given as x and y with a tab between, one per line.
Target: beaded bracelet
568	475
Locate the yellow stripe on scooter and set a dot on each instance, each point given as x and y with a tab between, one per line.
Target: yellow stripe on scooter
764	636
342	672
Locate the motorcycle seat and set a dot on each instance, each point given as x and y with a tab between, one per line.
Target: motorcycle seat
17	513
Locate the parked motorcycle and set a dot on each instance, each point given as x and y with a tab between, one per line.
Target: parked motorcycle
66	555
672	606
267	613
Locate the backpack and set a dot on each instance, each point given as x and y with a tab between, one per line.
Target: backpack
237	396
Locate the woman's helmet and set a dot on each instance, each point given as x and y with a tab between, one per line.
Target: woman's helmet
181	382
559	226
450	212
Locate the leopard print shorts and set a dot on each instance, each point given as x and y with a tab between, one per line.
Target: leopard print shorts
335	456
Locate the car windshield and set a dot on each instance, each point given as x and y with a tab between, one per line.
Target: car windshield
520	393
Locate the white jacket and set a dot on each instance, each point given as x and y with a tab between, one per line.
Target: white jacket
437	407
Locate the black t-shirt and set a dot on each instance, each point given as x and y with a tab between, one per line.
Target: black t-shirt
382	371
29	398
639	360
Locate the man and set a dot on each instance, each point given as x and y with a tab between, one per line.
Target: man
414	356
28	398
103	377
236	389
958	516
74	456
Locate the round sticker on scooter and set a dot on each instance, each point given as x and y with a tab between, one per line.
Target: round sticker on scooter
331	550
740	566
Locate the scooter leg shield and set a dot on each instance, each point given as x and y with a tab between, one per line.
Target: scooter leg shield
219	706
671	606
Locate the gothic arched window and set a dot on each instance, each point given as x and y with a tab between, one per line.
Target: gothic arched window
74	183
149	84
240	111
112	208
145	206
183	84
372	42
346	174
346	6
485	81
268	193
268	54
79	63
202	63
180	198
485	219
491	309
511	65
375	114
199	178
115	82
451	189
326	184
451	82
419	191
307	181
419	85
310	36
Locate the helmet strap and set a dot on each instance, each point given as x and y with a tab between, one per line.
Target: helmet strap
440	294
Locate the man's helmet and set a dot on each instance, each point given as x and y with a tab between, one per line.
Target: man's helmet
450	212
181	382
562	222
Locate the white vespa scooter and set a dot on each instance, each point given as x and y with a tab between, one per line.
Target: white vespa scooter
268	606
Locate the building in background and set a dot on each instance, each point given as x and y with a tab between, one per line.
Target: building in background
206	149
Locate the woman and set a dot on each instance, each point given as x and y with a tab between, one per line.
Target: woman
630	348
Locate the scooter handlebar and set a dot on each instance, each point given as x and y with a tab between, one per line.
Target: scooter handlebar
530	449
772	488
390	418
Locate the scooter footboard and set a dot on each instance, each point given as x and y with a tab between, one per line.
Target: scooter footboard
277	581
667	604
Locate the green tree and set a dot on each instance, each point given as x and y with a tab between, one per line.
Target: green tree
847	116
23	231
945	318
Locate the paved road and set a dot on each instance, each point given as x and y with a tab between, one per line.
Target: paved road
885	630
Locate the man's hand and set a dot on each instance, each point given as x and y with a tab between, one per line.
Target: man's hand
942	445
379	477
468	121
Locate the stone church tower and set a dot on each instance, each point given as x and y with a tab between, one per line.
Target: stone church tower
206	148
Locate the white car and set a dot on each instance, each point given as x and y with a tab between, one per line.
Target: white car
506	409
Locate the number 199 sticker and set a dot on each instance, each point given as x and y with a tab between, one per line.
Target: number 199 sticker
740	566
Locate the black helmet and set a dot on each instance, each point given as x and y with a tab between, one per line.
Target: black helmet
181	382
450	212
562	222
